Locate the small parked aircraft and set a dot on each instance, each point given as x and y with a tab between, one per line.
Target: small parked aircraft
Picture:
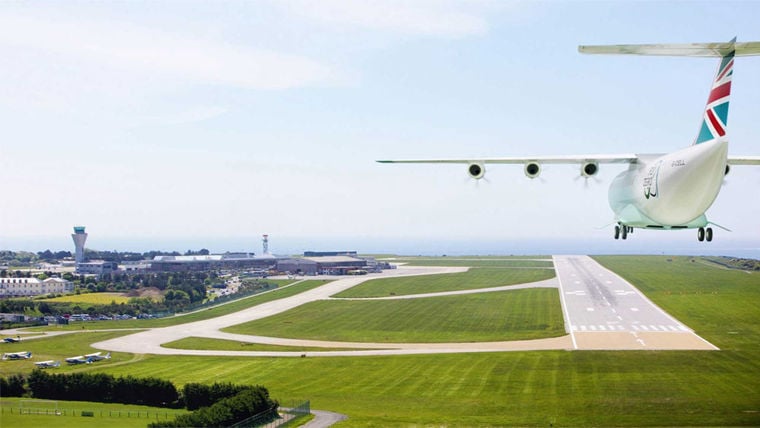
12	339
88	359
47	364
24	355
97	357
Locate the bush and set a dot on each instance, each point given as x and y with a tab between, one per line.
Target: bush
197	395
251	401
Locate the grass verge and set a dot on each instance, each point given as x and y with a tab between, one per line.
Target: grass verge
504	315
472	279
231	345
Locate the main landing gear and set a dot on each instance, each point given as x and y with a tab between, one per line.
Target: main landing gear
704	234
622	231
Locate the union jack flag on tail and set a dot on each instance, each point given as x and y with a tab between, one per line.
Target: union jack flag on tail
715	117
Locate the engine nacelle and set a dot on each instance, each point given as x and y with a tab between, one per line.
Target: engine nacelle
476	170
728	169
532	170
589	169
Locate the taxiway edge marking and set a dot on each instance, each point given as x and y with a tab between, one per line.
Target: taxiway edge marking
569	326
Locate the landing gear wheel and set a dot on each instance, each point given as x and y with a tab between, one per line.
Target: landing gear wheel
701	234
625	232
709	234
617	232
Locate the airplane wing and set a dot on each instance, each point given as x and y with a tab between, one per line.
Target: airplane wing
744	160
621	158
589	164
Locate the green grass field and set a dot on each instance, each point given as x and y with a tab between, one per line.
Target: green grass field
493	261
93	298
70	414
231	345
59	348
472	279
589	388
504	315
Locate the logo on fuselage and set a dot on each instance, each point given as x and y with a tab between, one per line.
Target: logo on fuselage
651	181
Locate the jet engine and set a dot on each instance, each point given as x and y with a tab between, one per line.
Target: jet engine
532	170
589	169
476	170
728	169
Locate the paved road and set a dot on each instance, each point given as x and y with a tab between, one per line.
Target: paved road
323	419
604	311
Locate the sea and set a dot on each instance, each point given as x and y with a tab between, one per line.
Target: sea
641	242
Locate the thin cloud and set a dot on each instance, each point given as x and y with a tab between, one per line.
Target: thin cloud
426	18
112	46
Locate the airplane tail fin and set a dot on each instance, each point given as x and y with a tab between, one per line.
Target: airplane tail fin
715	116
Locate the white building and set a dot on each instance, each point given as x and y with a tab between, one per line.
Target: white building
33	287
97	267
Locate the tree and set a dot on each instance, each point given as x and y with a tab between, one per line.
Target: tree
44	308
13	386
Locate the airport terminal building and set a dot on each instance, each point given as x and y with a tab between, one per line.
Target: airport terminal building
16	287
197	263
336	263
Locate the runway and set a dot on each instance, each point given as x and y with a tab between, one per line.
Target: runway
604	311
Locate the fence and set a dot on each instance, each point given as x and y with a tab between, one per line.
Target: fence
267	419
270	419
88	413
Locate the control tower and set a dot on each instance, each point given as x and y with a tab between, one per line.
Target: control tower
265	242
79	237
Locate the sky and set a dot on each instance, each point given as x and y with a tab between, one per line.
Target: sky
183	124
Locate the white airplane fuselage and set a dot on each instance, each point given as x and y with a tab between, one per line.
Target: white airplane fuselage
672	190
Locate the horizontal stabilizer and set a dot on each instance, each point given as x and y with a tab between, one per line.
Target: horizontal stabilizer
718	49
743	160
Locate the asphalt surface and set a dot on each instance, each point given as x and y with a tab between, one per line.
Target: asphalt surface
604	311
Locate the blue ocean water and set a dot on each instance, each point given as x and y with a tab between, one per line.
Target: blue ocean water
642	242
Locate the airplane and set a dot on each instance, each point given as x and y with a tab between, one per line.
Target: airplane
79	359
658	191
12	339
88	359
97	357
24	355
48	364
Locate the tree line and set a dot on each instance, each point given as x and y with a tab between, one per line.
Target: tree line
219	404
27	258
104	388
